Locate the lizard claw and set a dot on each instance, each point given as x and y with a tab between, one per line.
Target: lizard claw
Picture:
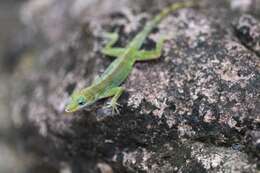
114	106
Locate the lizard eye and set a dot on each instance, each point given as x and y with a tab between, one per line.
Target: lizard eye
81	101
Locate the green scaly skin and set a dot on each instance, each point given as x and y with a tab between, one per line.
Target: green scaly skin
108	85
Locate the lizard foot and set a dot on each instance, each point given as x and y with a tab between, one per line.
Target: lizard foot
114	106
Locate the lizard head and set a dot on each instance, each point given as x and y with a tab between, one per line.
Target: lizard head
76	102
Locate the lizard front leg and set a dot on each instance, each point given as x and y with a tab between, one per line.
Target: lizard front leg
109	49
116	93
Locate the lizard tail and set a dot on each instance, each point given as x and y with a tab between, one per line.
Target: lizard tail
172	8
139	38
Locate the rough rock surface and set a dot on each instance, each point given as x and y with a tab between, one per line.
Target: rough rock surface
196	109
248	31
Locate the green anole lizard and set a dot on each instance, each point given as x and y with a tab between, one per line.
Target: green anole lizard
108	84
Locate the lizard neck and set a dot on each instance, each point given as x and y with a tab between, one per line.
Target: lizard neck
89	93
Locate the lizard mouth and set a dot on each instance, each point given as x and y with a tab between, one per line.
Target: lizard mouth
68	110
71	108
74	108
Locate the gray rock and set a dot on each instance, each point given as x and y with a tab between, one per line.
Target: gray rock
242	5
248	31
196	109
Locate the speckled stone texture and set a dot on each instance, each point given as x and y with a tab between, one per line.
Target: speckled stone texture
248	31
196	109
